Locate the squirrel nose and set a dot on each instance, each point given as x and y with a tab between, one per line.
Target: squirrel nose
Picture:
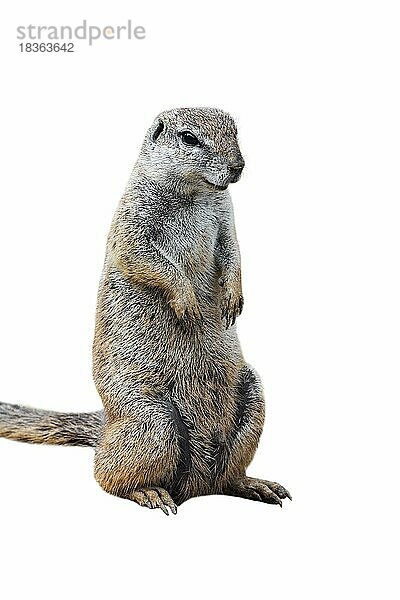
235	170
237	167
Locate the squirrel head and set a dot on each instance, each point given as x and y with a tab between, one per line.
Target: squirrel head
194	149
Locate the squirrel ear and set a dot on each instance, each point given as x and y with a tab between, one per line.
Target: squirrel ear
158	130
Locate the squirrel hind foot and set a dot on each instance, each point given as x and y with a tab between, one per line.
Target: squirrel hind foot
251	488
154	498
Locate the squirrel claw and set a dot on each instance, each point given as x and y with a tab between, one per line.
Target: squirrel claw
193	317
186	308
231	310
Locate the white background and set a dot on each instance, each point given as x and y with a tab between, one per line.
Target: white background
314	87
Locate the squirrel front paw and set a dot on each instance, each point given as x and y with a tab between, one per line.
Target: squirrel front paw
185	304
231	299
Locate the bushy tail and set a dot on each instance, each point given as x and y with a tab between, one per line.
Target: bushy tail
47	427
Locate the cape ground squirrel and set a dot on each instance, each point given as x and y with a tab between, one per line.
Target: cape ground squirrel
183	412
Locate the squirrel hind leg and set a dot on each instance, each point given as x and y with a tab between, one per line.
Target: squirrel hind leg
138	457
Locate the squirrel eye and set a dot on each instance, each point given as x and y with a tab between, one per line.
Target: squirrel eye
189	139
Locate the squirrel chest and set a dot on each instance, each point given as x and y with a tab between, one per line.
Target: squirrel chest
188	236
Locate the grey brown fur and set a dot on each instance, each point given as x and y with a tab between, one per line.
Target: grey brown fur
183	412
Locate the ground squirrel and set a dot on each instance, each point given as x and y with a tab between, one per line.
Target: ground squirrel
183	412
